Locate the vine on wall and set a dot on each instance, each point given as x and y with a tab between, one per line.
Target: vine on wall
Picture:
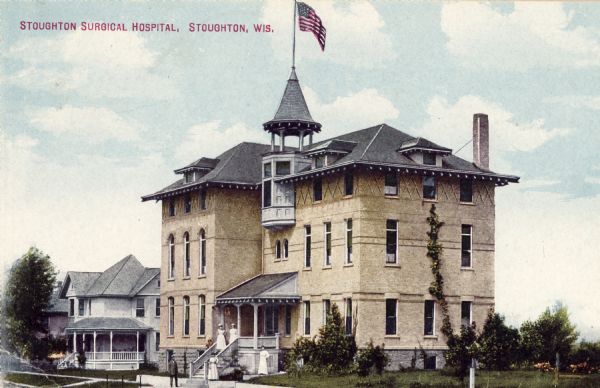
434	251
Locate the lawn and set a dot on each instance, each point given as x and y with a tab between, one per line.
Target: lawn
437	379
56	381
111	374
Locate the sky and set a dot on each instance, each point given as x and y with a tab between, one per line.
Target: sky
92	120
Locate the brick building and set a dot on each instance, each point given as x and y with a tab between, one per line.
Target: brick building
269	236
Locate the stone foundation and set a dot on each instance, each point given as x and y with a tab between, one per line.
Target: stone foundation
405	358
191	355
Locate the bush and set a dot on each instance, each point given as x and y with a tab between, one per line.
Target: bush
371	357
461	350
498	343
586	358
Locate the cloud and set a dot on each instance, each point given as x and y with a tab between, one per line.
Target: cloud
532	35
92	64
451	125
355	33
351	112
574	101
95	125
546	251
210	139
595	180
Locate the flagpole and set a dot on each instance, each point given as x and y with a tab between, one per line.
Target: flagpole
294	39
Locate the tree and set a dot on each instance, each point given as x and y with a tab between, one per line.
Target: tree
462	348
498	343
551	333
28	291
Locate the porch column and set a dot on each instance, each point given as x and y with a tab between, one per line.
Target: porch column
222	316
239	319
272	141
110	349
255	326
137	348
94	349
74	342
301	141
83	343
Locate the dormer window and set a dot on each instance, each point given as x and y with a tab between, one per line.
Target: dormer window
267	170
429	159
282	168
320	161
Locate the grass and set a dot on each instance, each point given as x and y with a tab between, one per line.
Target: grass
437	379
112	374
56	381
39	380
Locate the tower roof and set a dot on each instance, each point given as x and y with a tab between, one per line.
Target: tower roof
293	114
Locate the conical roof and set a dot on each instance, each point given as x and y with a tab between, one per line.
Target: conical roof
293	111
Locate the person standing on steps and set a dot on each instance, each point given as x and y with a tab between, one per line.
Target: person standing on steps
173	371
221	343
233	333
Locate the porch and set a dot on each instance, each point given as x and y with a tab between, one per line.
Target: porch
108	343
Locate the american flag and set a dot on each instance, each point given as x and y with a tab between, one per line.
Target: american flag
309	21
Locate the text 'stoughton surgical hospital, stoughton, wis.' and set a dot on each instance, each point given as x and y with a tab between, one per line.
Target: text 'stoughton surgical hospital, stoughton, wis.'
269	236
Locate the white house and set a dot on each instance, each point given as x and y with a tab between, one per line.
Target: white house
114	316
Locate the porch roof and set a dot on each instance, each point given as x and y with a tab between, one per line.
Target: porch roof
102	323
268	288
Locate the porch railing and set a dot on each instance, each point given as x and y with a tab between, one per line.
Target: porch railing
271	342
201	361
115	356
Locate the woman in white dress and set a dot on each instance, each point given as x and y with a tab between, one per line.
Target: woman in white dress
262	364
213	372
221	344
233	333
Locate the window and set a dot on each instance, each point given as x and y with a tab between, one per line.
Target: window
285	248
267	193
390	316
202	237
282	168
171	208
466	246
317	189
186	256
429	159
203	199
81	306
140	310
465	313
186	315
157	342
307	318
327	243
391	244
89	307
288	319
171	316
320	161
201	315
71	307
390	185
430	362
429	317
187	204
326	310
466	190
349	241
157	307
267	170
278	249
348	315
171	257
271	319
429	187
348	184
307	246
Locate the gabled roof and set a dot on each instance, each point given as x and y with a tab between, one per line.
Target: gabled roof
200	164
281	287
123	279
57	306
239	166
333	145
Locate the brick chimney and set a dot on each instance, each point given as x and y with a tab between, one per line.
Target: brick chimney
481	141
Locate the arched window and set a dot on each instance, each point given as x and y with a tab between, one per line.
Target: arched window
171	316
202	238
201	315
285	248
186	256
278	249
186	315
171	257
